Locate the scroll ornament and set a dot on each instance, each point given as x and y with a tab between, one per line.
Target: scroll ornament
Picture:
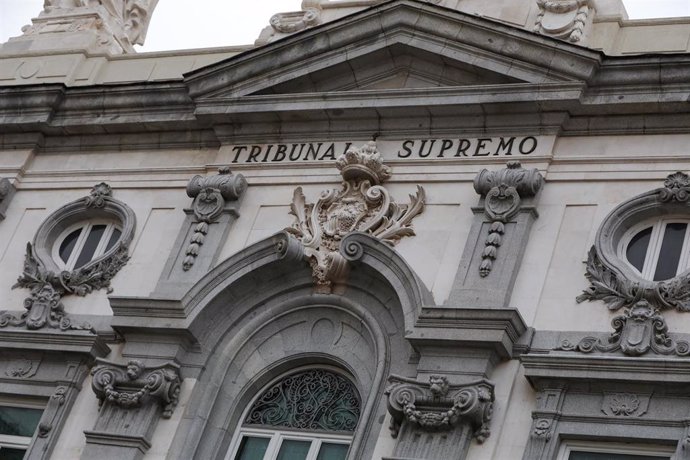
640	330
361	205
564	19
503	191
440	406
133	384
50	413
210	194
44	306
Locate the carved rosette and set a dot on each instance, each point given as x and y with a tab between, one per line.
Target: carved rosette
503	192
210	194
48	286
617	291
640	330
440	406
361	205
131	385
564	19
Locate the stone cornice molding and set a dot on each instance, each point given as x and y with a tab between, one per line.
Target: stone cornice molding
439	406
133	384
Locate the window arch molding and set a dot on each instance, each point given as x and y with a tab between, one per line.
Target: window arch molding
615	280
98	206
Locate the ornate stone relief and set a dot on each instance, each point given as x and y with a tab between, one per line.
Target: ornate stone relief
118	24
288	23
625	404
502	191
48	285
640	330
542	429
210	194
361	205
440	406
133	384
51	411
606	272
564	19
22	368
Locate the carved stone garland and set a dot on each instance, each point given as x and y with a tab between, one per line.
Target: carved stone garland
617	291
361	205
638	331
133	384
440	406
44	306
502	191
564	19
209	195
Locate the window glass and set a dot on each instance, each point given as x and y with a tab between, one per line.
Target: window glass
252	448
659	252
331	451
669	255
82	243
11	453
291	449
637	248
19	421
68	243
90	245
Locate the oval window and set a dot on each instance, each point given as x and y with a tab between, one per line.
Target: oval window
84	242
658	251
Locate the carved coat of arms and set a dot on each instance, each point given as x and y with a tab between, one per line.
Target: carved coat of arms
360	205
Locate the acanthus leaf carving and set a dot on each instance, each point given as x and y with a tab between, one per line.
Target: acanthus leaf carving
640	330
440	406
210	195
361	205
133	384
503	192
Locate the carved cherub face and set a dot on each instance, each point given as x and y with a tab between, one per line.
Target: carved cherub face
134	369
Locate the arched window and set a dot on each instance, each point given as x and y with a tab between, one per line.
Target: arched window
308	415
658	249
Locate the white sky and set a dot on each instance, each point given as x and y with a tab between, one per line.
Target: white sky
180	24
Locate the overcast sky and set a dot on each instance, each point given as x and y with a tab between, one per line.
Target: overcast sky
179	24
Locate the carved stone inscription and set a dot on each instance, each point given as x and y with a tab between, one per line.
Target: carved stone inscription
409	149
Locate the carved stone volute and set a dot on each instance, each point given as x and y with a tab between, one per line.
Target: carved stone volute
210	194
440	406
361	205
503	192
132	385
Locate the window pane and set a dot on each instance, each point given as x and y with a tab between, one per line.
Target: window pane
291	449
90	246
19	421
669	256
251	448
113	239
8	453
603	456
330	451
637	249
67	245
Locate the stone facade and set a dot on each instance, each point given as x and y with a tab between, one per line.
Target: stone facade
422	216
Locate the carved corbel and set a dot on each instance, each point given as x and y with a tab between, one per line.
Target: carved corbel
210	194
503	192
361	205
565	19
640	330
440	406
131	385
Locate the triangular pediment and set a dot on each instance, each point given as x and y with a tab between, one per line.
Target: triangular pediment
396	45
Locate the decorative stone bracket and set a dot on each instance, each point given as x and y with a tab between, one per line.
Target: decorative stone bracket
210	194
48	285
133	384
440	406
564	19
132	399
502	192
361	205
640	330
